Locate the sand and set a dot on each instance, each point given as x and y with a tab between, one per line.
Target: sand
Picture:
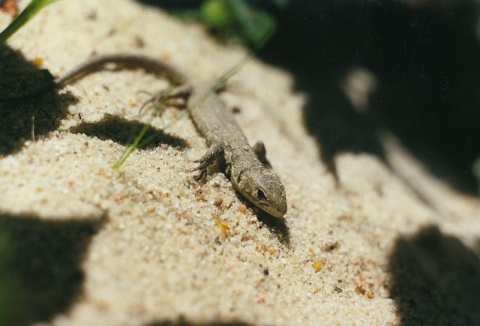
385	244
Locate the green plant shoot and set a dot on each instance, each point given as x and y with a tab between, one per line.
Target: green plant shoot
31	10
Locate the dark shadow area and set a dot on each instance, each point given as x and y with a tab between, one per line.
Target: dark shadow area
29	103
319	42
425	56
435	280
184	322
427	63
172	3
41	266
426	59
430	83
330	117
124	132
277	226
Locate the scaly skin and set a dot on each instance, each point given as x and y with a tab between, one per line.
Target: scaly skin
246	166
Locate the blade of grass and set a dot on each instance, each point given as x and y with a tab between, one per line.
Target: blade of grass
136	142
31	10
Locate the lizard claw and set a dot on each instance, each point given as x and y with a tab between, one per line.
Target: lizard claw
213	153
200	175
202	167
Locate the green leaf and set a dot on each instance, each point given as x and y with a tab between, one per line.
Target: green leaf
215	13
281	3
254	24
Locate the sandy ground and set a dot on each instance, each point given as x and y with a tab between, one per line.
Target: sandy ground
385	244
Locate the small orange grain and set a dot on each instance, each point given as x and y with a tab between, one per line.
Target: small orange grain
242	208
317	265
9	6
365	289
222	226
38	62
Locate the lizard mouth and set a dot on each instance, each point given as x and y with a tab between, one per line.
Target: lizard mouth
276	210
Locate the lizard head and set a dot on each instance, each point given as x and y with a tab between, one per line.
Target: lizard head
263	188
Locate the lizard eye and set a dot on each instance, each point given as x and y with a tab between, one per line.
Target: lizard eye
261	195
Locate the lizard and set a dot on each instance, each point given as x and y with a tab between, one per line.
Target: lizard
248	168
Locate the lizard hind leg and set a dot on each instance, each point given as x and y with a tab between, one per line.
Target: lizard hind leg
214	153
176	97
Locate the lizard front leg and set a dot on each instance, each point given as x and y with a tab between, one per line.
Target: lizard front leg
261	153
213	154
